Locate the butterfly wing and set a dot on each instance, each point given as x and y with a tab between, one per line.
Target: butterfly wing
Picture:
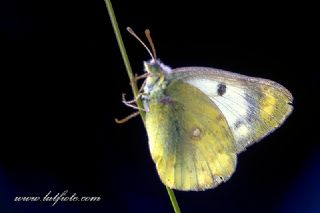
189	139
253	107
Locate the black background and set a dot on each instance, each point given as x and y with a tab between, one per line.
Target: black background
62	78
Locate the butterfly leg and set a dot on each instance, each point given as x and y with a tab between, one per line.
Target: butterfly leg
139	77
142	86
123	120
143	76
129	103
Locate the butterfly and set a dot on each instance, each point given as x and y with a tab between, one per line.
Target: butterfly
198	119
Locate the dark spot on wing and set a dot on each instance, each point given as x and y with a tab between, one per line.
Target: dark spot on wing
252	109
177	127
238	124
220	117
221	89
251	115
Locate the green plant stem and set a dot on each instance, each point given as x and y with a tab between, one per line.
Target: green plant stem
133	83
173	200
124	55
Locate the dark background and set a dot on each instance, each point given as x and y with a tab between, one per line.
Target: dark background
62	78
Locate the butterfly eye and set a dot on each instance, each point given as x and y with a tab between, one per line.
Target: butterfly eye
148	66
152	66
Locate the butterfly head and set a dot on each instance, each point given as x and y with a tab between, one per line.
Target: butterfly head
157	73
153	66
156	67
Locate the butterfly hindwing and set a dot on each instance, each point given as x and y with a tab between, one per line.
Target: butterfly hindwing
253	107
190	140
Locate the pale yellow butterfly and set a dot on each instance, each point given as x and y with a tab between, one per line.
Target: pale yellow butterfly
198	119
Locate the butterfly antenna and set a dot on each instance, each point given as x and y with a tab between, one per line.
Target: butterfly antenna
147	32
145	46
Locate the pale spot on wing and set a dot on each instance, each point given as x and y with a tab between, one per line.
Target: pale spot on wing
196	133
243	130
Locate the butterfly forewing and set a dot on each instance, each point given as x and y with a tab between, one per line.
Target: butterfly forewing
253	107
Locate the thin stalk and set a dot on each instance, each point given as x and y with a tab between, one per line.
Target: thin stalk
133	84
124	55
173	200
